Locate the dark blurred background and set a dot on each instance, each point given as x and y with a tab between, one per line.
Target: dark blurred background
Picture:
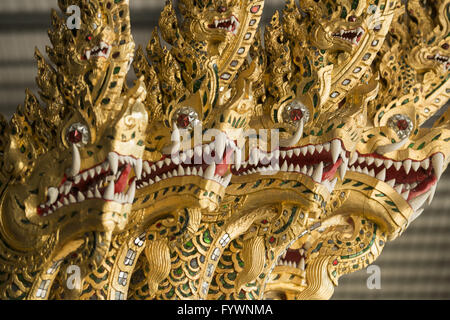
415	266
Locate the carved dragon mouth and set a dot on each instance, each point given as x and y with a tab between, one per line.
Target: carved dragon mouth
192	163
353	36
103	50
108	181
293	258
231	25
415	180
319	162
444	60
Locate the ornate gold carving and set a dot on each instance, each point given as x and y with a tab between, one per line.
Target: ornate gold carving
116	181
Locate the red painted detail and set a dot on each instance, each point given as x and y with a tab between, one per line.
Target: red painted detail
423	187
296	115
222	168
183	121
402	124
75	136
255	9
122	182
330	170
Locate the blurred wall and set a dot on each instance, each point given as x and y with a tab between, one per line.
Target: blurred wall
416	266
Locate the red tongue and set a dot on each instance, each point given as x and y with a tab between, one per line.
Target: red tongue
330	170
122	183
222	168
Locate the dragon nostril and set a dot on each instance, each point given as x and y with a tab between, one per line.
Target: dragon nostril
351	19
222	9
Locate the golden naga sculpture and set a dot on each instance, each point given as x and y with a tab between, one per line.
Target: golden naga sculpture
244	163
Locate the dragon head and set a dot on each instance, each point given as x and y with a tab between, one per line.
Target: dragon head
341	26
195	124
216	22
431	50
69	168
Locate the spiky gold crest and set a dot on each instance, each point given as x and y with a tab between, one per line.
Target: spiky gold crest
245	163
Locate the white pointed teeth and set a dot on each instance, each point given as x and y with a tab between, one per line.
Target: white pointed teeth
415	165
76	162
405	195
407	165
80	197
210	171
220	144
432	192
131	192
418	202
227	179
113	159
388	163
330	185
336	150
342	171
92	183
138	168
109	192
53	194
238	159
391	183
353	158
438	164
378	162
318	173
381	175
425	164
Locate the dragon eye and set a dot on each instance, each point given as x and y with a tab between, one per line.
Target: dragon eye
78	134
402	125
185	118
294	112
89	37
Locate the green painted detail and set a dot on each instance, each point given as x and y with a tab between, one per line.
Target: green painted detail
422	145
207	237
308	86
329	128
390	203
436	137
289	222
318	247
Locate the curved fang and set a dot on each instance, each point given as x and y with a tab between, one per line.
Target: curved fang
391	147
286	143
76	161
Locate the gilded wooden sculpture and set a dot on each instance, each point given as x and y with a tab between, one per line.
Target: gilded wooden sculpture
247	162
